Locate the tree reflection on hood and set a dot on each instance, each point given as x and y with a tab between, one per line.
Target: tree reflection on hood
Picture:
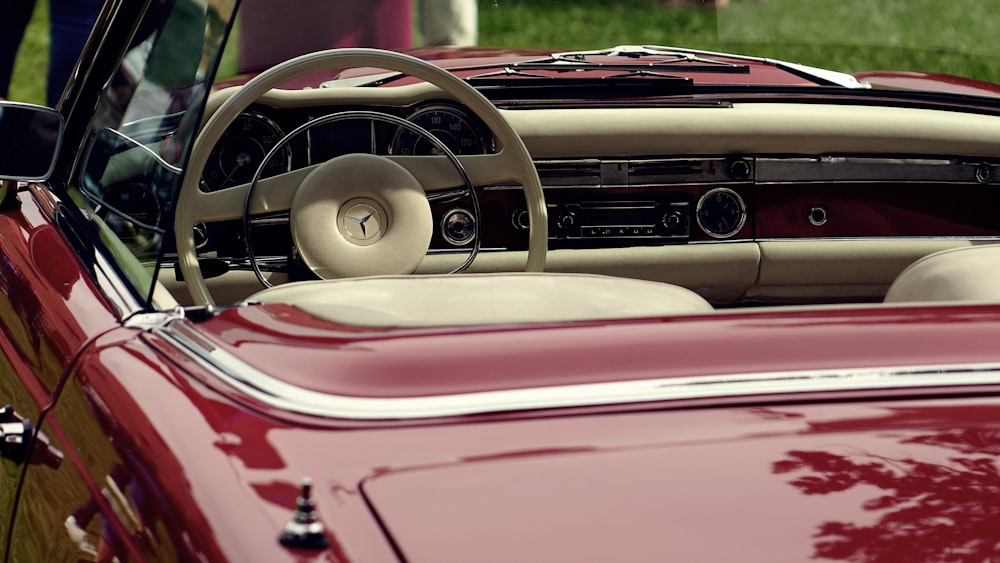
930	511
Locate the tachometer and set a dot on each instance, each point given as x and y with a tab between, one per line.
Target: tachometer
453	127
240	151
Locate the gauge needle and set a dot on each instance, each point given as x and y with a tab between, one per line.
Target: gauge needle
242	160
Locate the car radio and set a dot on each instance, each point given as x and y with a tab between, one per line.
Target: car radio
650	220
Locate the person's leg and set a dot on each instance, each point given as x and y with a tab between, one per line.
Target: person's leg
14	17
71	22
449	22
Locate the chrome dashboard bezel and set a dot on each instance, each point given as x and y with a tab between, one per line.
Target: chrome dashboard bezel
480	142
735	199
260	118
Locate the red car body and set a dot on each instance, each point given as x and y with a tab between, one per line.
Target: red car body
861	432
796	474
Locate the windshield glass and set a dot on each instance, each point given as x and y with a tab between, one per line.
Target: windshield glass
141	130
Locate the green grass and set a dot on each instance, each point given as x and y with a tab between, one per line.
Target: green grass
959	37
28	83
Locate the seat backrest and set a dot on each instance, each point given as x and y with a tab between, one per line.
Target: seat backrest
479	299
970	273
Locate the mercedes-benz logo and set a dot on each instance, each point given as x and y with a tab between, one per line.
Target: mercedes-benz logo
362	222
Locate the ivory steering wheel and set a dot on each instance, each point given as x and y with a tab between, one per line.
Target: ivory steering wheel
391	187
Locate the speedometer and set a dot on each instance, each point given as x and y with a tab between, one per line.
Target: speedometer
452	126
240	151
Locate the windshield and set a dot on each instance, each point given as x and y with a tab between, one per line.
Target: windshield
141	130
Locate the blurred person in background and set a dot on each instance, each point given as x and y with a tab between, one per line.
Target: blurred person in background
449	22
70	22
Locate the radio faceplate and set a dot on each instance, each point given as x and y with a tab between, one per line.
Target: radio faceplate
636	220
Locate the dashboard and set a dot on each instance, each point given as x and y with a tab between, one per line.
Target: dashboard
256	136
748	178
646	199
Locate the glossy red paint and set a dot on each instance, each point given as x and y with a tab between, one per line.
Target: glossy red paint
786	482
923	81
172	463
882	481
50	308
207	475
217	475
50	304
301	350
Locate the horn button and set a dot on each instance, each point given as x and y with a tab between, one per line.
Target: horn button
361	215
361	221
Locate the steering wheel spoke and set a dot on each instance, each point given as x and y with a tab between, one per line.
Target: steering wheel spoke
271	195
436	173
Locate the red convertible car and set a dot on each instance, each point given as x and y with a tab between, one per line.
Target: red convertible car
627	302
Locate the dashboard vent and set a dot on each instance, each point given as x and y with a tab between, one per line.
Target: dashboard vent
677	171
605	173
575	173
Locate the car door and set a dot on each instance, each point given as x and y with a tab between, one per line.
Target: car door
94	505
47	306
50	309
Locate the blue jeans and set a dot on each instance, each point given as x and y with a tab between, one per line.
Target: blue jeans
71	22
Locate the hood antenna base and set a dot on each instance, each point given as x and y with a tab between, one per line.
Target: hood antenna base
305	530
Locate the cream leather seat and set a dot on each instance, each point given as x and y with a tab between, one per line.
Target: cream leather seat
478	299
969	273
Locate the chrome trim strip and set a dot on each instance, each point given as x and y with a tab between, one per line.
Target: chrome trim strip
852	169
803	240
115	289
149	152
655	171
281	395
834	77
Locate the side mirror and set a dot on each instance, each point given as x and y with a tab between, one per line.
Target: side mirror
30	136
